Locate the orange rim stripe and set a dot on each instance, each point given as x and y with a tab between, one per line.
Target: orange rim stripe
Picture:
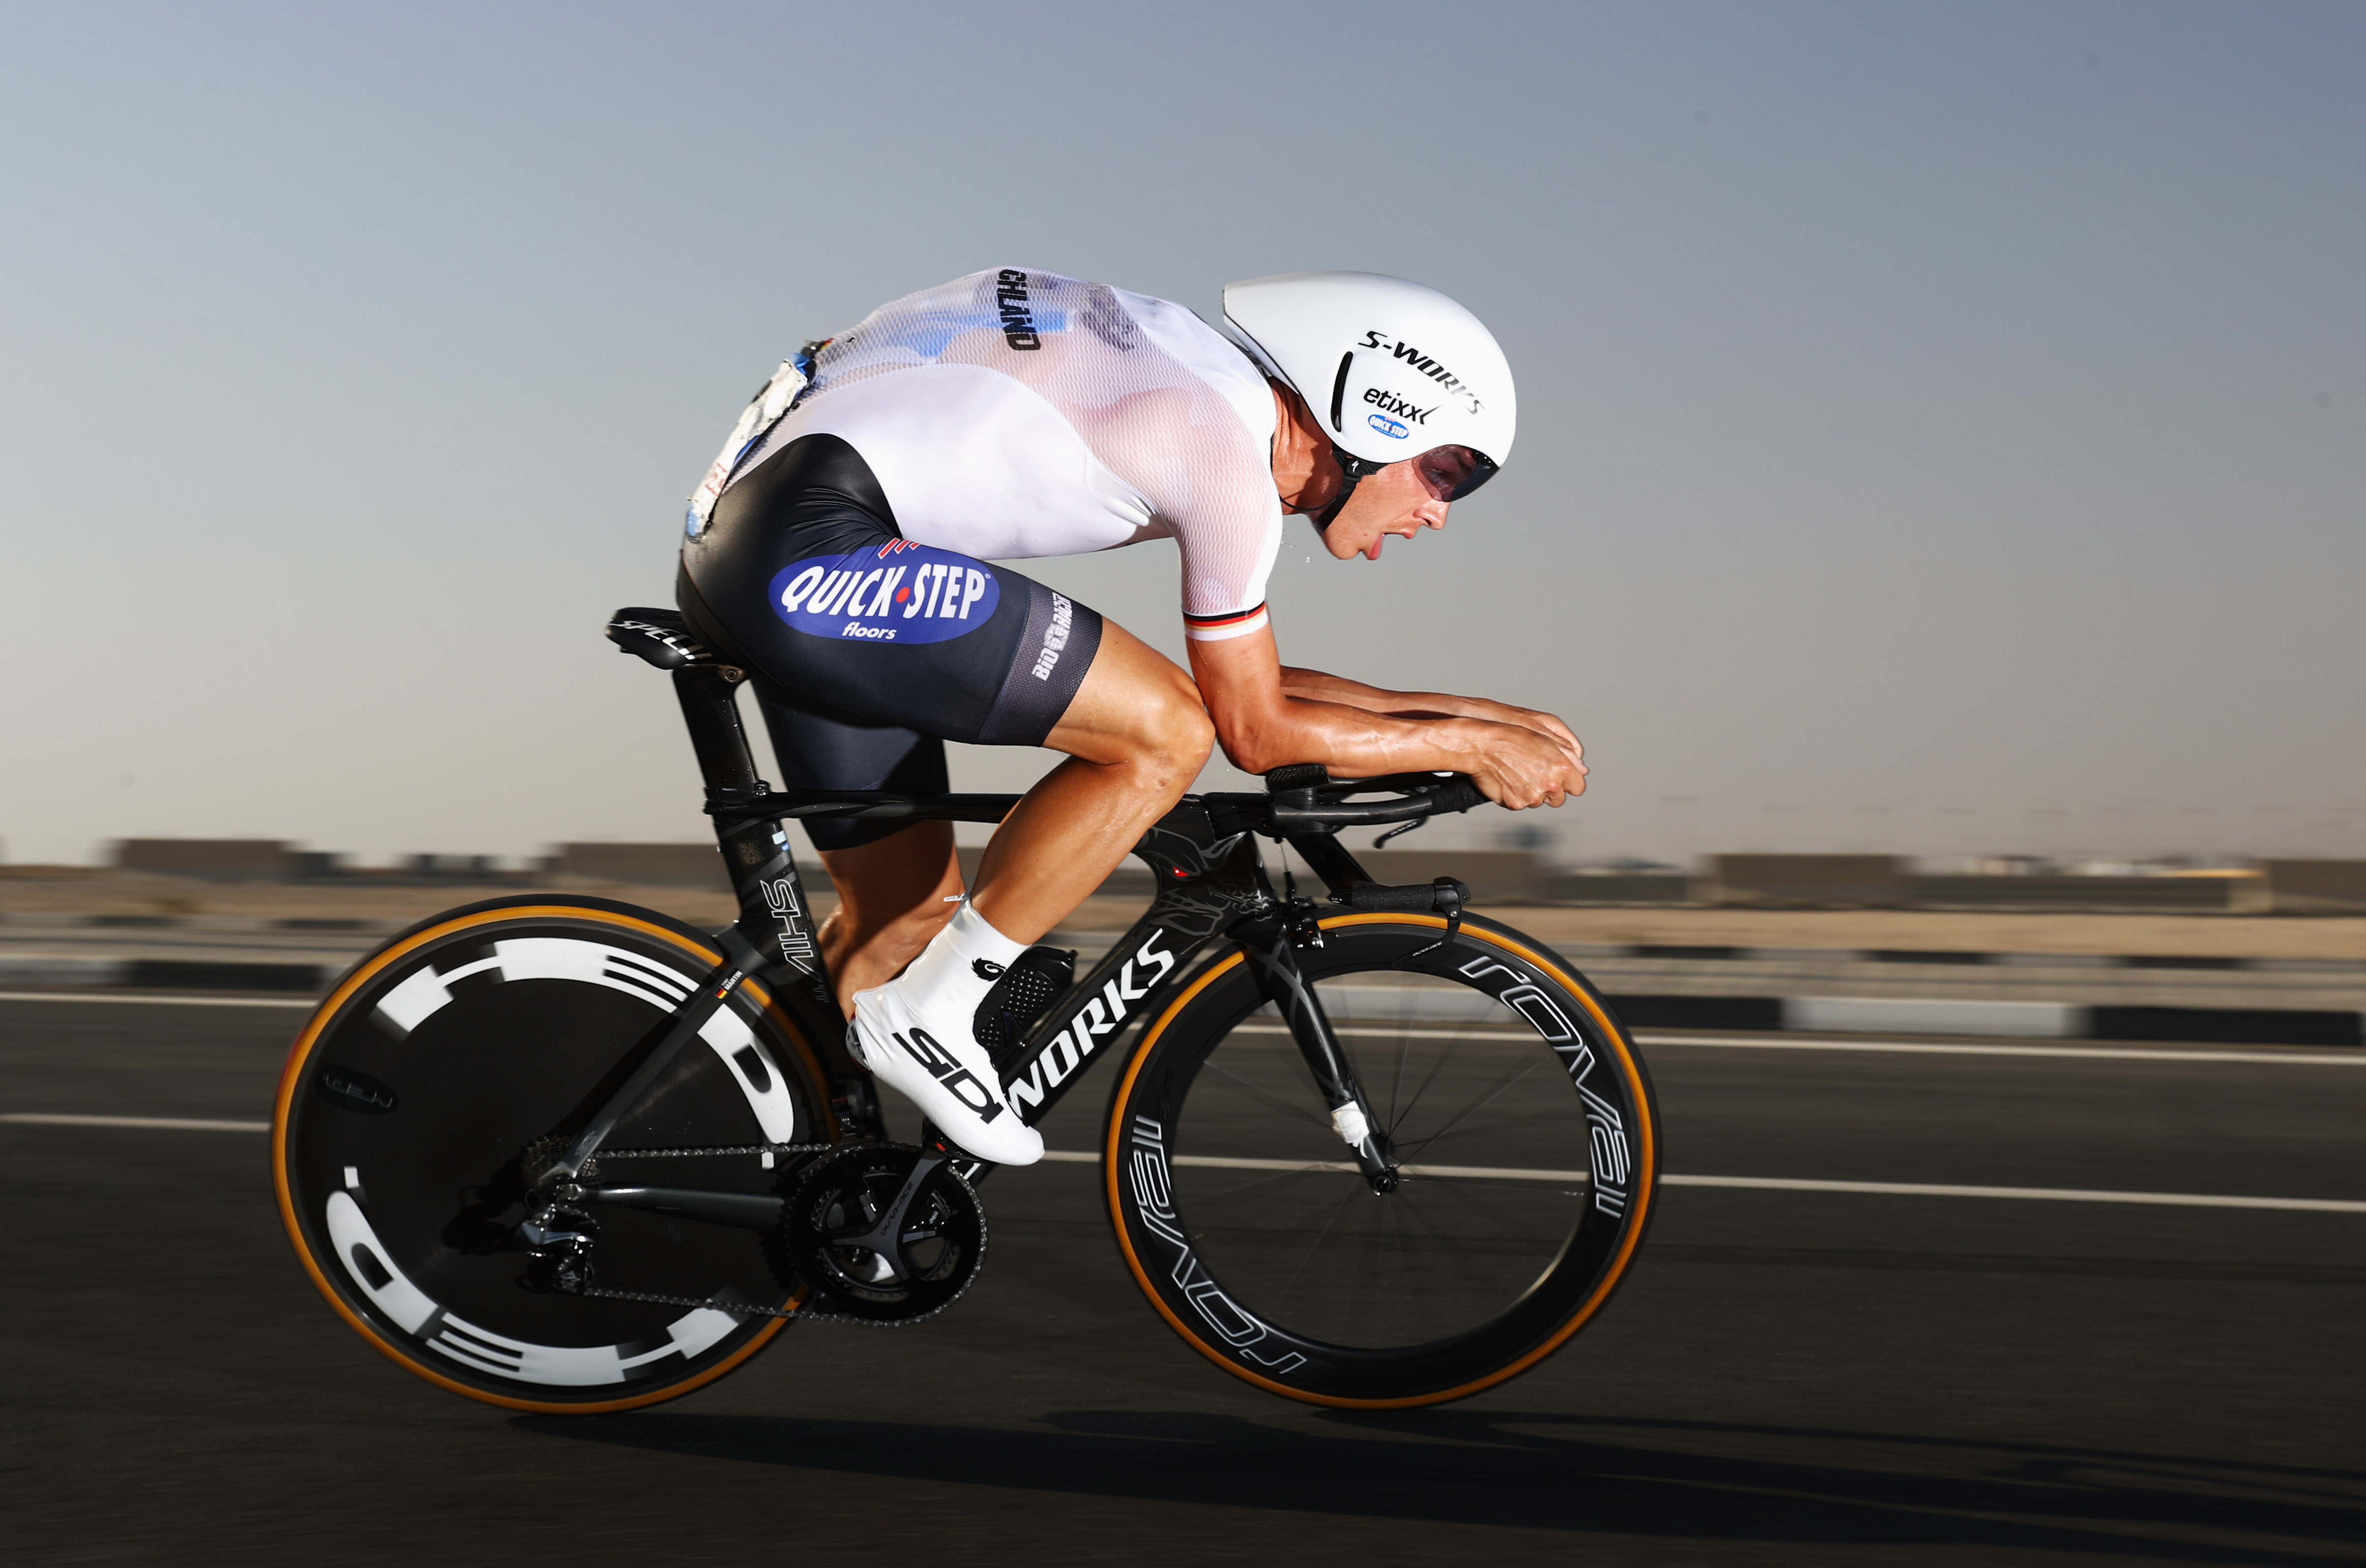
1646	1190
292	1075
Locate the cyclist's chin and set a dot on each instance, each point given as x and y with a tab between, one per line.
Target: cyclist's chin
1345	547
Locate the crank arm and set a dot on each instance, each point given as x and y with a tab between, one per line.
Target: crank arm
886	1239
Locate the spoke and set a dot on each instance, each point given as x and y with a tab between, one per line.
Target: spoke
1436	1068
1312	1167
1268	1096
1404	1045
1468	1256
1336	1209
1457	1117
1480	1183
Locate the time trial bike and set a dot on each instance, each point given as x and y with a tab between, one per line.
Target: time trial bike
564	1153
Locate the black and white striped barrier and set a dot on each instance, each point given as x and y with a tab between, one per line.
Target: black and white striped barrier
1375	1004
29	970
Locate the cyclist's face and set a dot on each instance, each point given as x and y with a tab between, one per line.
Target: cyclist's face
1402	499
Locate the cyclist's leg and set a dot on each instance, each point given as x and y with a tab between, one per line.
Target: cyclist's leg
897	885
893	894
1005	662
1136	735
803	575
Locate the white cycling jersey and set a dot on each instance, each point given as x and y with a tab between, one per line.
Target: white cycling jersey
1015	413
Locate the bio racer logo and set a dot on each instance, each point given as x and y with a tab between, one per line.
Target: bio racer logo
896	592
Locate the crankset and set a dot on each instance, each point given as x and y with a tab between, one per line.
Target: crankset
885	1234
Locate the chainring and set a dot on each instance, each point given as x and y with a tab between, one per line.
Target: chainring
836	1229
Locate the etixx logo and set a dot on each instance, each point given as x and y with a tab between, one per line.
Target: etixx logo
896	592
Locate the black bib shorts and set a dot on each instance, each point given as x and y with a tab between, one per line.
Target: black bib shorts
868	652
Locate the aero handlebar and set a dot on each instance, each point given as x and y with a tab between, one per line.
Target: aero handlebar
1298	799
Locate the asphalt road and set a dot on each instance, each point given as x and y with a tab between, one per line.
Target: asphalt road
1792	1377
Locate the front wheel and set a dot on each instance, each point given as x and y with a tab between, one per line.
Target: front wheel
456	1056
1528	1142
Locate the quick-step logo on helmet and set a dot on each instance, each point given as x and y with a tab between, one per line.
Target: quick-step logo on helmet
1416	360
1389	402
1017	320
896	592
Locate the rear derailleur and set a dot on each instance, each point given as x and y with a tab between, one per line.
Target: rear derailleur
558	1235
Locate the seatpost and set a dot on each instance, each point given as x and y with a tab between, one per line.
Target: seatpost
711	709
774	930
755	852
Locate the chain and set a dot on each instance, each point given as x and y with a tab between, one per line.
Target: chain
730	1148
744	1309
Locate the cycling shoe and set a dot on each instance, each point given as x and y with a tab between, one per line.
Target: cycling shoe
937	1063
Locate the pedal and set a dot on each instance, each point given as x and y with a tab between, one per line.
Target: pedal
855	1102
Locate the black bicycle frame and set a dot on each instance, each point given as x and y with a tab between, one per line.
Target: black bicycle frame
1211	885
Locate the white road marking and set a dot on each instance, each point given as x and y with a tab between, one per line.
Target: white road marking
1785	1184
155	1124
2099	1051
2043	1194
1226	1162
2093	1052
160	1000
1462	1173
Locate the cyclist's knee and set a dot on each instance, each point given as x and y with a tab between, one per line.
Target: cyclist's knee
1184	736
1138	711
1169	736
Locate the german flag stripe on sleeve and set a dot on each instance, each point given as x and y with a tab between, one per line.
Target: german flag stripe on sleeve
1216	628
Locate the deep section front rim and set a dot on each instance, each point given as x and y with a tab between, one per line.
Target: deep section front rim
1527	1129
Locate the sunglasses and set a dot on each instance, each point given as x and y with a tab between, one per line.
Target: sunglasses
1462	471
1448	473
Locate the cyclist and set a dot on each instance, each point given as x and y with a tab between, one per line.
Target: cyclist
838	548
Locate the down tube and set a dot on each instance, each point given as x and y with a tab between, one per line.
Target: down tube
1131	981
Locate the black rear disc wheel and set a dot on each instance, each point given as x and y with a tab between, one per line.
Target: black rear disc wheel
419	1093
1527	1141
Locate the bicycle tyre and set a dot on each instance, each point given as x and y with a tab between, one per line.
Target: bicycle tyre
412	1091
1243	1219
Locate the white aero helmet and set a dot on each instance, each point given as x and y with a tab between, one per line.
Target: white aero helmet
1391	369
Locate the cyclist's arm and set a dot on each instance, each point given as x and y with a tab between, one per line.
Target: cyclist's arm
1322	687
1262	724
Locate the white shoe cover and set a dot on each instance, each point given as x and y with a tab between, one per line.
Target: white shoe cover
938	1064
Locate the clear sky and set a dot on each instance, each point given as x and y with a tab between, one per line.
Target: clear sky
1944	426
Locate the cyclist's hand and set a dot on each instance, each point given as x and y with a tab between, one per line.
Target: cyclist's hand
1543	723
1549	726
1519	768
